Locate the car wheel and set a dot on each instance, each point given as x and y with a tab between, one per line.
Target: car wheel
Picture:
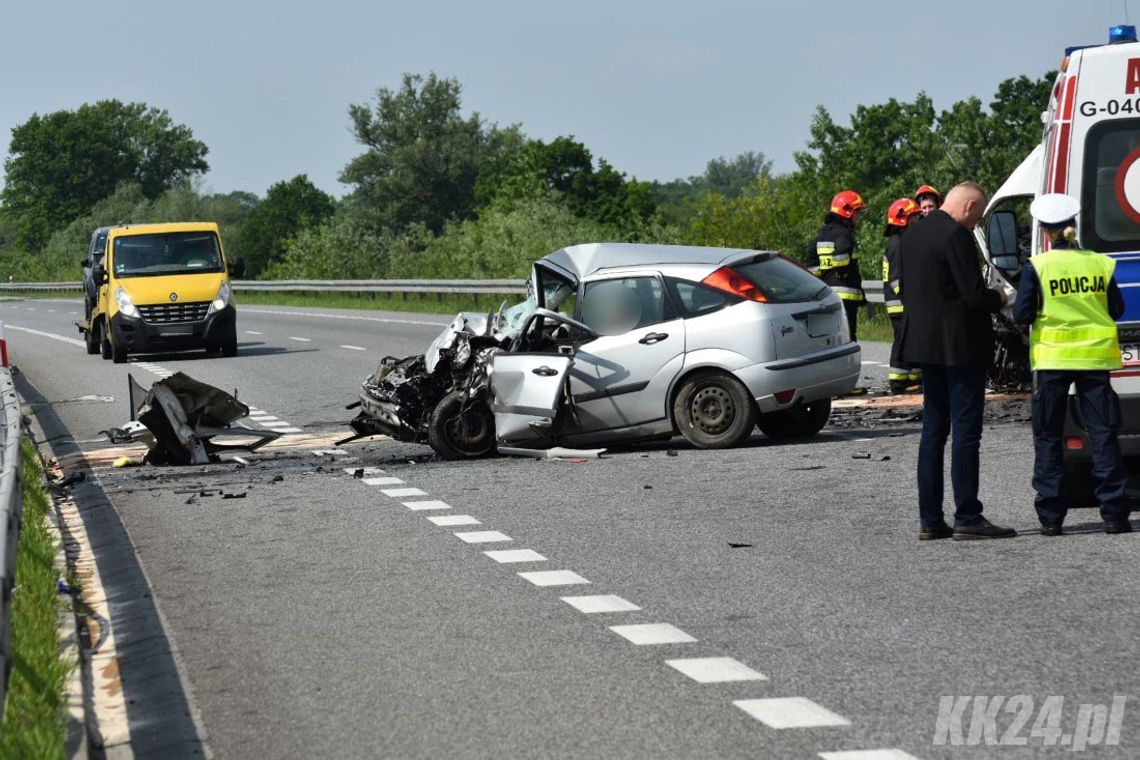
713	410
118	351
799	422
91	339
459	431
229	343
104	340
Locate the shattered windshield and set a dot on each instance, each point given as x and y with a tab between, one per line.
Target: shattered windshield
166	253
555	294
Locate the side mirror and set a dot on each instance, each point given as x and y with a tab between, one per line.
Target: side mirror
1001	240
84	263
237	267
100	274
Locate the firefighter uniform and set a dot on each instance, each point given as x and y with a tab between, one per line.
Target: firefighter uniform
834	259
1071	300
901	377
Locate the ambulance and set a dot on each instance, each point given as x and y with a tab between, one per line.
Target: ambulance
1090	150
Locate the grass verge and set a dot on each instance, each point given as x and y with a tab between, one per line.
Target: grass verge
34	722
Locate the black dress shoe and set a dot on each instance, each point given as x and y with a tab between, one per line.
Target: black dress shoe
983	530
1051	529
1117	526
932	533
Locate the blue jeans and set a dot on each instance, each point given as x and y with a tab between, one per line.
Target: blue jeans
953	398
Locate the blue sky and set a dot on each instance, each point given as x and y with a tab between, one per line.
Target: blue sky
657	88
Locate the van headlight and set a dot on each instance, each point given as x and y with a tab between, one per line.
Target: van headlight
222	299
123	300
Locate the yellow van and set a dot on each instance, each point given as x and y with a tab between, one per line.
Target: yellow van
164	287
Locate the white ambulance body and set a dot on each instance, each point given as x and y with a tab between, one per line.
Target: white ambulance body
1090	150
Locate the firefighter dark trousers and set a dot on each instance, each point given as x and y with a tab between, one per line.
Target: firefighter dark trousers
852	310
1100	413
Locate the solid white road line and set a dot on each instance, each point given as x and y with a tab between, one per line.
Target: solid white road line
600	603
385	481
417	505
652	633
715	670
790	712
353	317
355	348
554	578
868	754
482	537
301	340
450	520
42	334
399	492
504	556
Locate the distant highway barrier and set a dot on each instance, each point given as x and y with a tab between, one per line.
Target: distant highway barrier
11	504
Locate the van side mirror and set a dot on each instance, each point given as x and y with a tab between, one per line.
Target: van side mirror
1001	239
237	267
99	274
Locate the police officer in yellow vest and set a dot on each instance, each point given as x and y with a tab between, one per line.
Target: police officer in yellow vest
1071	300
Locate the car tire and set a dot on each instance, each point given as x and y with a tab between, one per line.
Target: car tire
456	433
118	352
91	340
800	422
104	340
713	410
229	343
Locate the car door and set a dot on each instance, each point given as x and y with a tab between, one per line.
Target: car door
622	378
527	390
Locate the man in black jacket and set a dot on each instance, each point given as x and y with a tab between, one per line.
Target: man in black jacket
947	330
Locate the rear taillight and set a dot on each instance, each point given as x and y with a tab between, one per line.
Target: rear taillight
727	280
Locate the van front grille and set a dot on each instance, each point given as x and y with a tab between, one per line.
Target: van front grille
169	313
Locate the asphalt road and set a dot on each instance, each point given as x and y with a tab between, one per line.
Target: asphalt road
320	616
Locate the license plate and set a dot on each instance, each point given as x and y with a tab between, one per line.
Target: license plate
1130	354
178	329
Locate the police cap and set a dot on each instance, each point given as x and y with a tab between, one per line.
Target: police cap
1055	209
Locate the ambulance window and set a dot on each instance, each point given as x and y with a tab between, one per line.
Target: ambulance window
1110	219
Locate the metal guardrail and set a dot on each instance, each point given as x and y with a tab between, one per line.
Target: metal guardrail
12	506
873	288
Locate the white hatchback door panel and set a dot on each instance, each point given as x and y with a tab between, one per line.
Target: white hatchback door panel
526	393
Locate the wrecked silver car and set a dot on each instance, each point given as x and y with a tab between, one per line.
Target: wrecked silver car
623	342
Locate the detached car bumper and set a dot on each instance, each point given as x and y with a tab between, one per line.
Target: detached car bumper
824	374
141	336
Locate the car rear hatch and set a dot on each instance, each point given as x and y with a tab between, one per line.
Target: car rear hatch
803	314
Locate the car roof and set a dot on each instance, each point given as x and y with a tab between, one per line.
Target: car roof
588	258
151	229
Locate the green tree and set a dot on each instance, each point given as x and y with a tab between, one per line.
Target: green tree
60	164
423	156
288	208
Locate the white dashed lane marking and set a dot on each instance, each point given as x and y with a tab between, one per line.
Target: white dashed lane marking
715	670
301	340
644	634
453	520
399	492
383	481
600	603
483	537
417	505
790	712
506	556
554	578
868	754
254	332
355	348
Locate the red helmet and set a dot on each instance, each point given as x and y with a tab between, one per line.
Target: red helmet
846	203
928	190
901	211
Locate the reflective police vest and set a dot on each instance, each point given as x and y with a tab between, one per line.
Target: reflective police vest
1073	329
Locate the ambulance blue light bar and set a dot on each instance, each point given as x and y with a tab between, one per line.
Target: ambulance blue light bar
1121	33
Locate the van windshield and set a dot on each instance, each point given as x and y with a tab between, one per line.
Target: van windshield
1110	205
166	253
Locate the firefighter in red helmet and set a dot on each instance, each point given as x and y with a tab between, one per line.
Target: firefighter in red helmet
901	377
928	199
834	259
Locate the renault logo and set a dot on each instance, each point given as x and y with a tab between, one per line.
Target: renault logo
173	296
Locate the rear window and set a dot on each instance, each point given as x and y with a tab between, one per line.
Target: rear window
783	281
1110	212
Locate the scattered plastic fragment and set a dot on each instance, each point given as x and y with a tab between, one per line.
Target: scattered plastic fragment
234	495
861	455
734	545
127	462
671	453
277	478
74	477
358	472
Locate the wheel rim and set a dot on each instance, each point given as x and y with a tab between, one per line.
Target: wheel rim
712	410
468	431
